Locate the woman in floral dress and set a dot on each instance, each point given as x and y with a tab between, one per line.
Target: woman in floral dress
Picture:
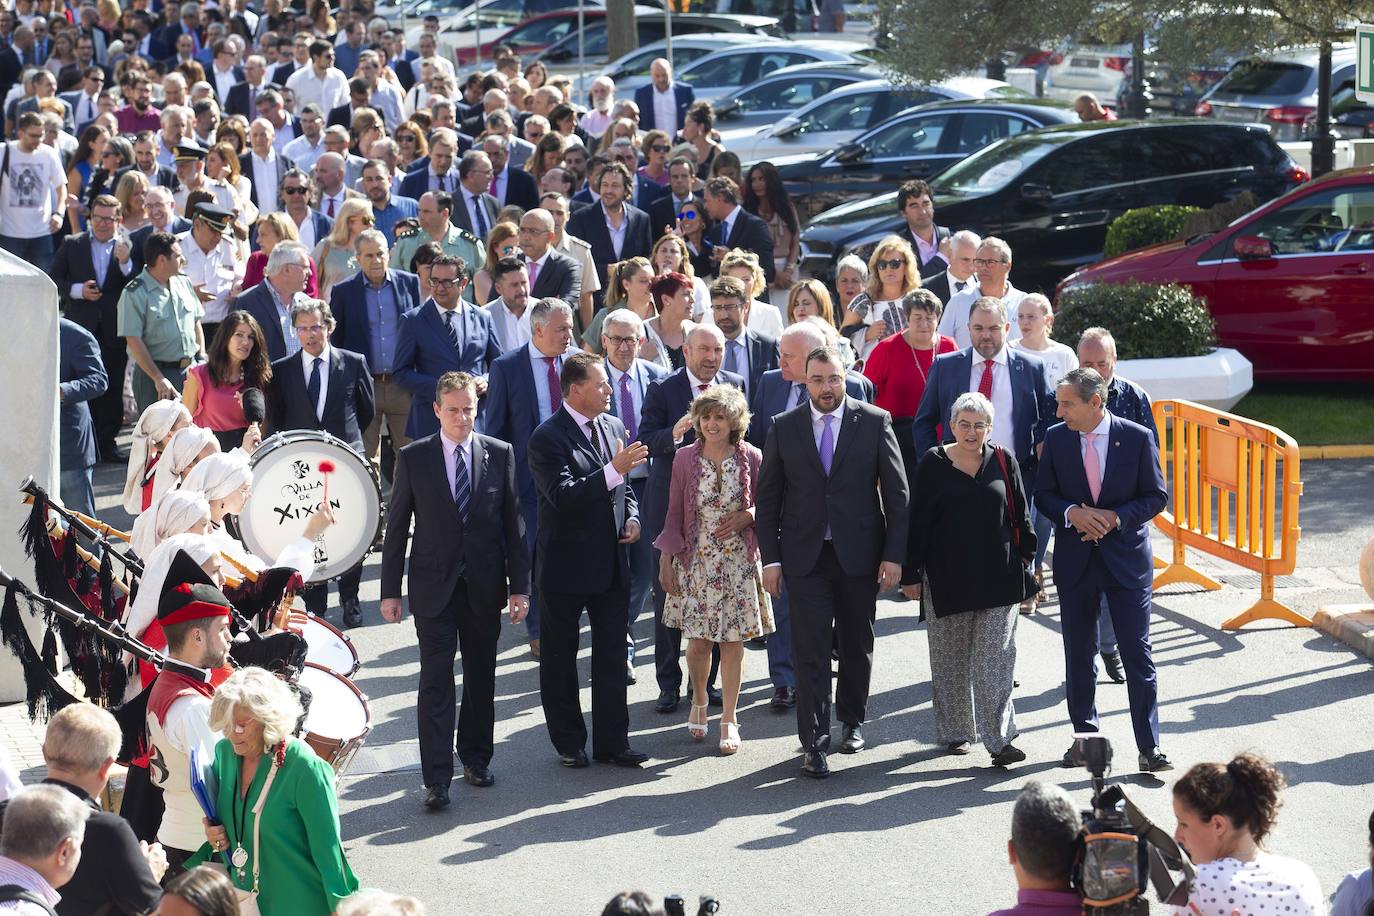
710	558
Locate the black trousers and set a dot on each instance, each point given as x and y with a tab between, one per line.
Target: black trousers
558	681
316	597
107	411
830	608
458	628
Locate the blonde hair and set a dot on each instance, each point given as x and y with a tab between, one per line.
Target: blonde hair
129	183
738	257
283	225
261	695
501	233
338	236
618	273
911	280
677	241
81	738
818	292
726	400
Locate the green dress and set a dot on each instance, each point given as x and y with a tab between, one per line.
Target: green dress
303	871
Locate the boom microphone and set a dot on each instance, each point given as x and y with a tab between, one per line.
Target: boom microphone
254	407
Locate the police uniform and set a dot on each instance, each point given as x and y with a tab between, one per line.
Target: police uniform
218	271
165	317
457	242
581	252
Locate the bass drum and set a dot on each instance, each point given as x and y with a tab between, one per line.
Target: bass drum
325	644
288	487
338	720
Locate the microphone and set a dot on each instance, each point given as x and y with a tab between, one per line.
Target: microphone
254	406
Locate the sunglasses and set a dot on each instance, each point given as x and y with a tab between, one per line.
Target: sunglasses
688	214
660	149
293	190
893	264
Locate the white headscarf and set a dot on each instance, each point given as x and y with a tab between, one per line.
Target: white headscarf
152	427
174	513
219	476
186	444
144	611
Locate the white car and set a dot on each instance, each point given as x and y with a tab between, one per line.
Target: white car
725	72
632	70
1099	69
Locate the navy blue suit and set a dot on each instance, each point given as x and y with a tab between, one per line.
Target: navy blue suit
81	378
762	352
589	225
424	352
348	302
644	98
257	301
1119	566
416	183
1032	402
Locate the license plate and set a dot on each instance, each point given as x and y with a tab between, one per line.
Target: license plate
1245	115
1084	63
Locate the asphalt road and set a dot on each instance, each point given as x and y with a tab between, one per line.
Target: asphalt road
899	828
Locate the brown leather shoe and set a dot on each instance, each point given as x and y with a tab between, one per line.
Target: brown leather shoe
534	647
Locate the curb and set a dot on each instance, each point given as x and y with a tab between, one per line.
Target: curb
1352	624
1326	452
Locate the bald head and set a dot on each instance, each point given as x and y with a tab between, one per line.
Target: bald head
661	71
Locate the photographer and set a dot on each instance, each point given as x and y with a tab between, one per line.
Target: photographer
1043	844
1224	813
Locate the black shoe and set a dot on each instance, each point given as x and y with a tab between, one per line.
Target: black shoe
1112	662
1073	758
784	698
479	776
352	613
714	697
853	740
667	701
630	679
1155	762
576	760
626	758
1007	756
958	748
758	642
814	765
436	797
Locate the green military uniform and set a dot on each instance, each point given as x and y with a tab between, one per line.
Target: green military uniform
165	317
457	242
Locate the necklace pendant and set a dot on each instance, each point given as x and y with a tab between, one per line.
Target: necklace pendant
239	858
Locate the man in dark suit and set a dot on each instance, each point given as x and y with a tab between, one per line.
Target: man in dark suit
330	389
84	99
831	466
243	96
665	429
551	272
917	207
524	391
734	227
474	209
1013	380
579	460
1101	482
445	334
595	225
663	99
643	191
438	173
469	562
263	166
270	301
621	334
664	210
81	378
162	216
509	185
959	275
748	353
91	269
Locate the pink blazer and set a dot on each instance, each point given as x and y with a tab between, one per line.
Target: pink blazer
679	535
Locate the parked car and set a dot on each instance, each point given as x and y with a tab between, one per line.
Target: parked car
1173	92
630	71
465	15
1279	92
784	91
562	55
1351	119
1099	69
845	113
1051	193
1288	283
725	72
918	143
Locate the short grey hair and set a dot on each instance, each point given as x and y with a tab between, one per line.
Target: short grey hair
81	738
1102	336
285	254
989	304
259	693
626	318
335	130
965	237
539	314
807	332
372	902
997	245
1044	831
306	306
1085	383
500	141
855	263
40	819
371	235
972	402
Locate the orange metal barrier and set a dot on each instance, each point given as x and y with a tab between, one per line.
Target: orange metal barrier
1234	489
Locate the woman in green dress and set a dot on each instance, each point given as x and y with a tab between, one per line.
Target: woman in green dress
299	867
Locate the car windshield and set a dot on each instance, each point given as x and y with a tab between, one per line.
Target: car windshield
1265	77
996	166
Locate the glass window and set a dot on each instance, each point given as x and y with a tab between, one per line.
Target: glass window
912	137
543	31
994	167
723	71
978	129
1341	219
787	94
1265	77
1090	163
847	113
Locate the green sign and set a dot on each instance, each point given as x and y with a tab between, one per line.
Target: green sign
1364	75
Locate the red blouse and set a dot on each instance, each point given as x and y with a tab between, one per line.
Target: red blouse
898	373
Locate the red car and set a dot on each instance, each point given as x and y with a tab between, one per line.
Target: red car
531	36
1291	284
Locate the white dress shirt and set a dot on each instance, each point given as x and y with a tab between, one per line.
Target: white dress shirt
451	450
665	110
1003	429
306	230
954	322
85	110
817	431
223	81
617	233
216	270
329	92
512	330
308	363
265	181
473	202
304	153
613	477
338	200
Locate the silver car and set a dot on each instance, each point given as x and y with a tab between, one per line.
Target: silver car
785	91
632	70
727	71
1278	91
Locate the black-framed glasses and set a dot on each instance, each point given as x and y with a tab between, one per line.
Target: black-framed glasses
293	191
445	283
988	262
622	341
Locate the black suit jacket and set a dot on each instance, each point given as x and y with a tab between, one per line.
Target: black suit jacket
238	101
936	264
748	232
577	545
763	355
349	403
257	301
521	189
166	177
72	264
10	70
663	213
281	74
560	277
589	225
460	217
863	500
138	237
490	553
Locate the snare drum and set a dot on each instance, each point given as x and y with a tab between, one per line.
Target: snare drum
325	644
288	488
338	721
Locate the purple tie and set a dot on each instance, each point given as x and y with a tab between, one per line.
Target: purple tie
627	408
555	390
827	443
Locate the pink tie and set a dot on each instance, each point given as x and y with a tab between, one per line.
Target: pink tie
1090	465
534	272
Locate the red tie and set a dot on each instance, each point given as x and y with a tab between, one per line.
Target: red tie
494	178
555	391
330	212
985	383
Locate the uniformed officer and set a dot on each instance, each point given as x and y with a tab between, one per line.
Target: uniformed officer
435	209
212	263
159	318
190	167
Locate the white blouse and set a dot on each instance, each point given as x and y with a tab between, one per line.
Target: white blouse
1269	884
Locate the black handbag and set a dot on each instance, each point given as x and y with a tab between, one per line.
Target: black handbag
1029	587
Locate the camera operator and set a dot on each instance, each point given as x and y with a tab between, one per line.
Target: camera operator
1043	844
632	903
1224	813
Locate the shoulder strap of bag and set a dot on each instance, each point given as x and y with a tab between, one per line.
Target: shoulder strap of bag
1166	856
13	893
1012	514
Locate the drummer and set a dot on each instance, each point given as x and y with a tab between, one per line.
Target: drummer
188	447
152	433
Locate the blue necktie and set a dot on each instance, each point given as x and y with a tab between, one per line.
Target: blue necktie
312	388
481	217
462	486
799	395
827	446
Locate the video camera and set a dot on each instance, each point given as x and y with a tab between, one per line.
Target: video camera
1121	850
676	905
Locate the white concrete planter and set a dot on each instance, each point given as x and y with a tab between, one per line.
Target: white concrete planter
1218	380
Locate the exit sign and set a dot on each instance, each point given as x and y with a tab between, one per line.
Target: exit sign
1364	75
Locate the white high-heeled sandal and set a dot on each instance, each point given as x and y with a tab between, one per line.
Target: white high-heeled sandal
698	730
729	737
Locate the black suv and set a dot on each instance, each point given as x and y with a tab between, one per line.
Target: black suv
1052	193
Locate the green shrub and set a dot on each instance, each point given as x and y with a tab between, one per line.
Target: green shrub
1145	226
1148	321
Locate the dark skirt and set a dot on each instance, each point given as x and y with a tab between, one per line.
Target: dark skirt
230	438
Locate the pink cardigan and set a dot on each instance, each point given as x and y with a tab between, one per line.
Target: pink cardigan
679	534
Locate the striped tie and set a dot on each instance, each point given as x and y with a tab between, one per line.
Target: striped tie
462	486
451	329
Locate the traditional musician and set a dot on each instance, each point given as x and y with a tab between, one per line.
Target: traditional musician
194	615
152	433
143	621
177	512
187	448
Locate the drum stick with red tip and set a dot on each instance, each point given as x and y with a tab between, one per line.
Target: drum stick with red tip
326	468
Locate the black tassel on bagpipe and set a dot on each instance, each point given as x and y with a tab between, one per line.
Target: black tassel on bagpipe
44	694
108	610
